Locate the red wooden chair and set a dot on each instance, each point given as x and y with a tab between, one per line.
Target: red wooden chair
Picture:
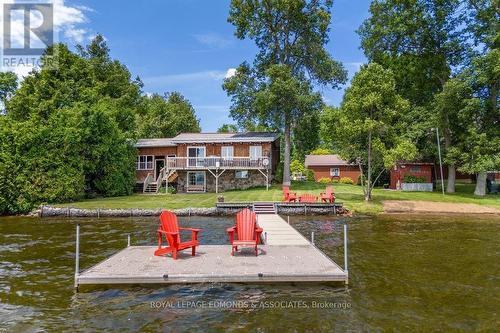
328	195
289	196
170	229
308	198
247	231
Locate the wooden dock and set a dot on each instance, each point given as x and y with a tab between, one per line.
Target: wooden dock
285	257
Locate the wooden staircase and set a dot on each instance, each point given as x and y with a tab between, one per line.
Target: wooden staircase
151	188
264	208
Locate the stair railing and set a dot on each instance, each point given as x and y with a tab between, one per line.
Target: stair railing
149	179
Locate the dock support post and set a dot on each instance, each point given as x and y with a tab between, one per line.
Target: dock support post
346	267
265	237
77	256
288	219
128	240
312	237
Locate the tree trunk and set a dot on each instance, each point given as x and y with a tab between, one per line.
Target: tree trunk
450	186
286	159
368	192
481	184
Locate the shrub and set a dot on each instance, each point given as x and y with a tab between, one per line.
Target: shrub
297	167
324	180
171	189
310	175
346	180
413	179
335	181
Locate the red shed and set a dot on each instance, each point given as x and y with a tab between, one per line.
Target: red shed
418	169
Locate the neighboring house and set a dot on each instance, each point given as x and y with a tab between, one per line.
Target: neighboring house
417	169
331	166
207	162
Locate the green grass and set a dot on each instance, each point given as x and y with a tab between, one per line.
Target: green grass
350	195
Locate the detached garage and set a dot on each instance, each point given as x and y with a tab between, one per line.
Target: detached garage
331	166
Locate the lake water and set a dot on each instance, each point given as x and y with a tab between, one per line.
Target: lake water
407	273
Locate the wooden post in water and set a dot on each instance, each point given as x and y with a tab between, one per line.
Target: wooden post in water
346	268
128	240
77	256
312	237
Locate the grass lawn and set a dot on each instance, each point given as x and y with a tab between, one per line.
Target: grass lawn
350	195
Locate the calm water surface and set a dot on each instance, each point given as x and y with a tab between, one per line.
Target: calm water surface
408	273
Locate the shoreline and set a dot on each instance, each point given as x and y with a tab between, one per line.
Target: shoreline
49	211
435	207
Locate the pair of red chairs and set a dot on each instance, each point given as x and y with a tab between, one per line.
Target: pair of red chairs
246	229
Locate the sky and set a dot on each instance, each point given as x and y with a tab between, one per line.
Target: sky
188	46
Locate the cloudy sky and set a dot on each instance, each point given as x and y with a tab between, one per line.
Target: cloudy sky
187	45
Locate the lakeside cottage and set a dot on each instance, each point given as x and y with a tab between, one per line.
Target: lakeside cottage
207	162
331	166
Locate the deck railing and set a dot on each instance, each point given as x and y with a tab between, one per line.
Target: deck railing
262	162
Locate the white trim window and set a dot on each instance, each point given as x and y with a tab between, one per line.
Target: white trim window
335	172
227	152
241	174
145	162
255	152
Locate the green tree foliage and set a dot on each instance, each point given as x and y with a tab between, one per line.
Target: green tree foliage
167	116
322	151
228	128
68	132
297	166
365	128
8	84
291	37
306	134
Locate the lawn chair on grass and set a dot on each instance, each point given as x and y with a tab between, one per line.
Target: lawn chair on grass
247	231
170	229
289	196
328	195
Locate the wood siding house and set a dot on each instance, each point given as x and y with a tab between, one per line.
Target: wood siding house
207	162
417	169
331	166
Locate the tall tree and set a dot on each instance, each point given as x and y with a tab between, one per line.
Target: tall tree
291	36
228	128
422	42
366	127
166	116
8	84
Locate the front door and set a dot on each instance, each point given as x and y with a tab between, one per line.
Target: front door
195	156
159	164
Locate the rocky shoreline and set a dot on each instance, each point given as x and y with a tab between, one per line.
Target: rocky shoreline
49	211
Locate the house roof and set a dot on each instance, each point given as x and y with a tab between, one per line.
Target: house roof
225	137
146	143
324	160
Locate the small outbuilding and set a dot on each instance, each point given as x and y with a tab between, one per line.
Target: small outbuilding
420	172
331	166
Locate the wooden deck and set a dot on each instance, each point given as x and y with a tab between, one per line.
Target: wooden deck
286	257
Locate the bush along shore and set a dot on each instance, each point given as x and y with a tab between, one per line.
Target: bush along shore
49	211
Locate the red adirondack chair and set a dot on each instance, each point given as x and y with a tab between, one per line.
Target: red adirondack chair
328	195
247	231
289	196
308	198
170	229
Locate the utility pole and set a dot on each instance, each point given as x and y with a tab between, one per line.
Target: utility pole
440	161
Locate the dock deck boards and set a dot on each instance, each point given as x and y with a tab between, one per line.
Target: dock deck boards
286	257
213	263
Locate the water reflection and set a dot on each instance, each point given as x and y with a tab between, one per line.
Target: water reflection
407	273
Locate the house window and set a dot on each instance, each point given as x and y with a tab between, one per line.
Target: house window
415	168
145	162
196	179
227	152
255	152
241	174
334	172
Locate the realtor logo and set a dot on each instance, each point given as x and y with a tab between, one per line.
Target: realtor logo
28	29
